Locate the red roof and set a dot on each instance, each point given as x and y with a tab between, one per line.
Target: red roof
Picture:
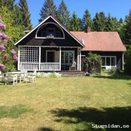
100	41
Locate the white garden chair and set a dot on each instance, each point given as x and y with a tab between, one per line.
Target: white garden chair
10	78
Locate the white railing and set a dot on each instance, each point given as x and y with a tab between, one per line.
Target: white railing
46	66
50	66
28	66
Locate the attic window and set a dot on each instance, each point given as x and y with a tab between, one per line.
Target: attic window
50	31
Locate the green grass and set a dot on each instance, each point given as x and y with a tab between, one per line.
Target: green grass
65	104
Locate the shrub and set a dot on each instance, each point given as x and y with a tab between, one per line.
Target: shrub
8	56
92	63
128	62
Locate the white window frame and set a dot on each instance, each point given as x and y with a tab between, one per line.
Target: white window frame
37	37
63	51
34	58
109	66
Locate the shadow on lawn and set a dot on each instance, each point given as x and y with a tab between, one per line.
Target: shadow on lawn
45	129
115	77
85	116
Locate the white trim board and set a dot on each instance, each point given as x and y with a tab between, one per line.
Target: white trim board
57	23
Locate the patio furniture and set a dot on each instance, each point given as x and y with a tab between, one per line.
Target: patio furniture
10	78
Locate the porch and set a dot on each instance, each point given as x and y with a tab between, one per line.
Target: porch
41	58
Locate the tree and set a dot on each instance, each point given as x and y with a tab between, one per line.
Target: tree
111	24
128	62
99	22
74	23
128	29
15	31
8	3
63	15
7	57
25	14
48	8
86	21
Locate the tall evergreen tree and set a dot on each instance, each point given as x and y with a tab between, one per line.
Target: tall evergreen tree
63	15
128	29
48	8
99	22
8	3
25	14
74	23
86	21
111	24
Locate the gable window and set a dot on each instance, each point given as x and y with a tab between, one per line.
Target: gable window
108	61
50	31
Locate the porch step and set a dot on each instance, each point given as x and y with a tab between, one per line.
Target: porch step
72	73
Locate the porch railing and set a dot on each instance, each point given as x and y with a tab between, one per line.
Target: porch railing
46	66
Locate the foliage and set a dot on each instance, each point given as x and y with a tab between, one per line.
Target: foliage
111	24
128	29
86	21
7	57
74	22
48	8
63	15
25	14
8	3
128	62
15	31
122	31
99	22
92	63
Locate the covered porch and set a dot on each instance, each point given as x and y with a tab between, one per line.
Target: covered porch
41	58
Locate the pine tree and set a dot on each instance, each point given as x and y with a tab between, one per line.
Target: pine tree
74	23
48	8
86	21
8	3
25	14
111	24
63	15
99	22
128	29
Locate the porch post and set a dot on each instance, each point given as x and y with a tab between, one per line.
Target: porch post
18	58
39	57
123	62
60	58
78	59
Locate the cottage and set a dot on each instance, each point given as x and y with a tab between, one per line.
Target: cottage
51	47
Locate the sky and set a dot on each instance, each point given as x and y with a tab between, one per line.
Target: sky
117	8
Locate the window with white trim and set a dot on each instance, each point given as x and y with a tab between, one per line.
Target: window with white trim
108	61
67	57
29	54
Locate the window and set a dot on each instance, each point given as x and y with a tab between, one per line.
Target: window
67	57
50	30
108	61
29	54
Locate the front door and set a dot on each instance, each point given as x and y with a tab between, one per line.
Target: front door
50	56
67	59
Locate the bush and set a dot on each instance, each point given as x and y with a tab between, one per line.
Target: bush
92	63
128	62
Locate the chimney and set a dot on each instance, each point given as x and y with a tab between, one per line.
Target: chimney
88	30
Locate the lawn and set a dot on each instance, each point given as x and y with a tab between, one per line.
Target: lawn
65	104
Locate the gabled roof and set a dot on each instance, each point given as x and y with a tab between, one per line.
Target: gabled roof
35	28
101	41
